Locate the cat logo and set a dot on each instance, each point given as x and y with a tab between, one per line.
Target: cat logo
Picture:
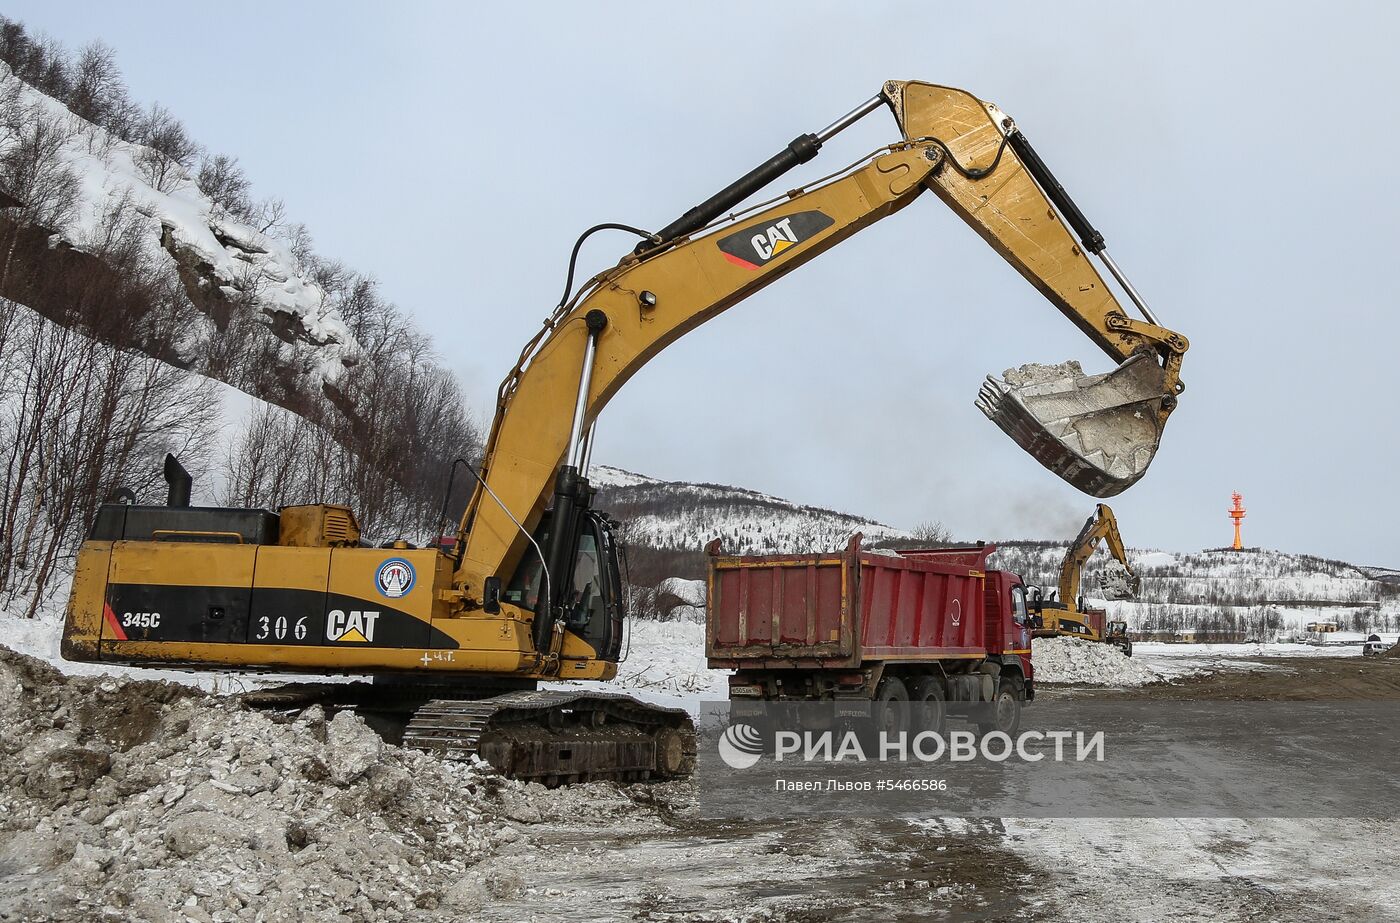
356	625
758	245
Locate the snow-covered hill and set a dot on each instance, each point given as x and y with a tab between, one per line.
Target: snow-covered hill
1228	594
682	515
1216	593
666	524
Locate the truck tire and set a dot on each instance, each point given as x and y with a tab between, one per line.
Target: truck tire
929	705
891	711
1005	707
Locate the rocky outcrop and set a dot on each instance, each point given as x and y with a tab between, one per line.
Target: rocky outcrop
154	265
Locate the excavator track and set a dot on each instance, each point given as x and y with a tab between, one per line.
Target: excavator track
557	736
554	737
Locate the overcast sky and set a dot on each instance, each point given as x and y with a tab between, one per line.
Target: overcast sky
1238	157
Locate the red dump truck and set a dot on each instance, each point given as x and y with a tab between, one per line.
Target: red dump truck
933	628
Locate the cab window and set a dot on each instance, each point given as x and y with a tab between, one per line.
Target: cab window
1018	606
524	589
586	597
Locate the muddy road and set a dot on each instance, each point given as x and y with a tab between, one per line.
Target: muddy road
1276	679
129	800
671	865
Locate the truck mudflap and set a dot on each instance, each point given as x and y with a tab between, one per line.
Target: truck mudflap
559	736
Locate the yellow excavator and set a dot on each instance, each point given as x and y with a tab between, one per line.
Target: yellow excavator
458	639
1068	616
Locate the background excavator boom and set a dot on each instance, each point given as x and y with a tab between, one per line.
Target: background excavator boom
1102	525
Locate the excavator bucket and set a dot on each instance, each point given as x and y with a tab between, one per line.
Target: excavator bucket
1117	582
1098	432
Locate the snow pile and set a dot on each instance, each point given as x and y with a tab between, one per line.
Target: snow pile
687	592
669	657
681	600
125	800
1070	660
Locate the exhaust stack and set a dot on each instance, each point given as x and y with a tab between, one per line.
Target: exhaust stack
179	480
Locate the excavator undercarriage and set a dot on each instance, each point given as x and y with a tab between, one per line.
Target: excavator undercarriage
551	736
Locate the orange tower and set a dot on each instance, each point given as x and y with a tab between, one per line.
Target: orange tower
1237	515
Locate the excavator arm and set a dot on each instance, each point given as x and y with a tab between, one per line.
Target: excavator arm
1098	432
1102	525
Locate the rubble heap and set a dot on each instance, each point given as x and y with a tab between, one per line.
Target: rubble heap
132	800
1092	663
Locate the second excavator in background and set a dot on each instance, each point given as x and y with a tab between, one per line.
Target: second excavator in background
1068	616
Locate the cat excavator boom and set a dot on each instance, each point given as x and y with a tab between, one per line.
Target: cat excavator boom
530	590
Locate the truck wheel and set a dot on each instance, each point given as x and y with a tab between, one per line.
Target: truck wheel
891	712
1005	710
930	706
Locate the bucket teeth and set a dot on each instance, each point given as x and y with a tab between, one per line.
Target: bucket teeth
1098	432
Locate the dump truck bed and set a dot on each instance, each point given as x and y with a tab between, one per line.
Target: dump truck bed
844	609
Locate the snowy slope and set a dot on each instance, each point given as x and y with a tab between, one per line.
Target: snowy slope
1252	593
680	515
226	259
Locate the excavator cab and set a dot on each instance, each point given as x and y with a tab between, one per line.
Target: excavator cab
589	594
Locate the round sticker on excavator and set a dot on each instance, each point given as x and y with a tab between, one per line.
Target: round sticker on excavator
395	578
759	244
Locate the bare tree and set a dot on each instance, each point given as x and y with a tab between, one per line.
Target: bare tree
269	216
167	149
98	91
223	181
32	166
932	534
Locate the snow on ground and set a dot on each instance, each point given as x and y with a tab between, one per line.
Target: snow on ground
1174	661
670	657
665	664
1070	660
1211	869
